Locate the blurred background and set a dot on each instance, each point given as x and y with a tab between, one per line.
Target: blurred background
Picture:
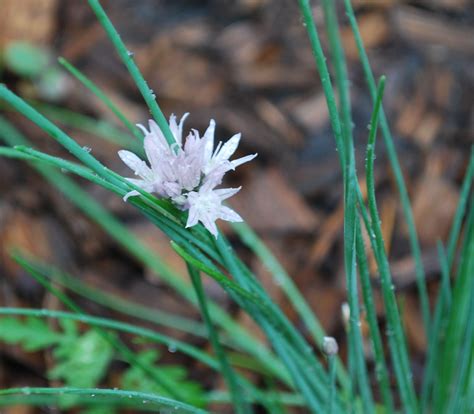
248	65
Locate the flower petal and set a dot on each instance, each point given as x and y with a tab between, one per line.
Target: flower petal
242	160
208	139
155	131
130	194
176	129
144	130
225	193
138	166
145	185
226	213
209	224
228	148
154	152
193	217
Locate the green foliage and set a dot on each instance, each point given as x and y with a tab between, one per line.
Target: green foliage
25	59
81	360
32	334
133	379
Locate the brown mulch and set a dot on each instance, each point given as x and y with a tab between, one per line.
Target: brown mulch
248	65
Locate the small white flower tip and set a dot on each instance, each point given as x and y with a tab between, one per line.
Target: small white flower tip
130	194
346	312
144	130
330	347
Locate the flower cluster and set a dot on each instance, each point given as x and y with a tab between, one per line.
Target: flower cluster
187	173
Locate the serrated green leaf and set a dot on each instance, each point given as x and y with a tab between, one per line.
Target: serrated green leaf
82	362
133	379
31	333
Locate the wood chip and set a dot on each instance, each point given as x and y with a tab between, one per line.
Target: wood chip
413	323
312	112
269	203
328	233
374	31
427	29
434	205
427	130
27	20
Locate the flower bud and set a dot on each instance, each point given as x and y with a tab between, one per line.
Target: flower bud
330	346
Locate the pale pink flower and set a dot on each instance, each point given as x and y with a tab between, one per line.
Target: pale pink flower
215	158
206	206
187	172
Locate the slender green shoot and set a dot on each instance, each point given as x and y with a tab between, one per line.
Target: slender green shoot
320	60
332	384
101	95
342	134
61	137
381	370
226	369
141	398
115	302
405	200
91	126
284	281
127	58
440	315
395	334
454	356
460	210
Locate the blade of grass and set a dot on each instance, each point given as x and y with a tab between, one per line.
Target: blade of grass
102	96
340	71
460	210
344	145
88	125
361	379
320	60
459	323
255	300
441	311
238	403
381	370
459	399
115	302
332	384
127	58
118	326
284	281
287	399
293	350
141	397
405	200
395	329
72	146
343	89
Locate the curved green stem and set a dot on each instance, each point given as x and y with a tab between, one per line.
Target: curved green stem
395	330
